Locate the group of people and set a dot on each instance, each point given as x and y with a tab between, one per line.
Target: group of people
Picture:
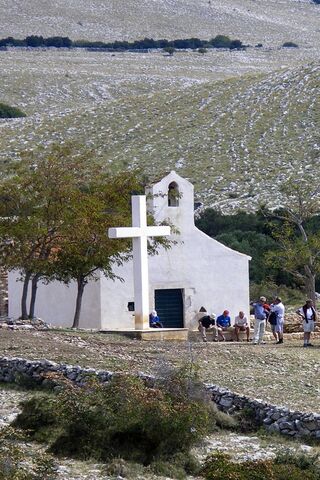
222	324
273	313
263	312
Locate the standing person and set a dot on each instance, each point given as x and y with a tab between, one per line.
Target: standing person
241	325
154	320
278	309
260	315
272	319
223	324
309	315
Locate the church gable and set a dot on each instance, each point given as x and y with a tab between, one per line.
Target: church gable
172	199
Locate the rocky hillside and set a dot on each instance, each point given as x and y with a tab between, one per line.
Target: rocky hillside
267	21
236	139
235	123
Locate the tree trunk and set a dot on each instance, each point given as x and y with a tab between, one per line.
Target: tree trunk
34	286
24	311
310	284
81	281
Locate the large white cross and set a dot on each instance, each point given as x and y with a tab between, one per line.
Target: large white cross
140	232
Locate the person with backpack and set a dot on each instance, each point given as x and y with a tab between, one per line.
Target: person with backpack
272	319
278	309
309	316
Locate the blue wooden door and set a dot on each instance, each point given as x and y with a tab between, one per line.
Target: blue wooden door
169	306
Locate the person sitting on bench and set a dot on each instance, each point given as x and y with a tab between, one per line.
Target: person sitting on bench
206	323
154	320
223	324
241	325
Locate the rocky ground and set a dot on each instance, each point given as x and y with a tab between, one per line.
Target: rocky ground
221	120
241	447
285	375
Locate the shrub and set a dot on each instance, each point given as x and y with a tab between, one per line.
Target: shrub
290	45
10	112
270	289
38	418
169	50
124	418
118	467
246	420
219	467
220	41
17	463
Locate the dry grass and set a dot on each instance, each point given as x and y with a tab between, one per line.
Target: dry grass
284	375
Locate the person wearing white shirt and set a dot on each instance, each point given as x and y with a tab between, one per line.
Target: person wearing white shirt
241	325
309	315
278	308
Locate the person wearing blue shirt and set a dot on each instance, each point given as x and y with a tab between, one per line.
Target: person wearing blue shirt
154	320
260	315
223	323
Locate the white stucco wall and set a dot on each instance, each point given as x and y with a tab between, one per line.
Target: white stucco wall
210	275
56	302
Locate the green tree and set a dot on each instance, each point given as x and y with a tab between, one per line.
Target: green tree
36	196
55	211
297	235
86	248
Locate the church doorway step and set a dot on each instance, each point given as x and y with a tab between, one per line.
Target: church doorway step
169	306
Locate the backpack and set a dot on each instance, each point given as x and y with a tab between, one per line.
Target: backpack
272	319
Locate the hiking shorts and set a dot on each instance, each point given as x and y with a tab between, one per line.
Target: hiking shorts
308	327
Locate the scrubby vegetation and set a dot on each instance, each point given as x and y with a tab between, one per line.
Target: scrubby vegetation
220	41
290	45
153	425
220	467
254	235
10	112
16	463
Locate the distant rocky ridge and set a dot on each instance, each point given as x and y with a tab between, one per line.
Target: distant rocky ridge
108	20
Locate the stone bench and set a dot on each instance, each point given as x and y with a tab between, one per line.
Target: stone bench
229	336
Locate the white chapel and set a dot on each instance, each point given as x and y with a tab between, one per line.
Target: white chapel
196	271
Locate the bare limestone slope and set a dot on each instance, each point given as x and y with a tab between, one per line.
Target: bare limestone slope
268	21
235	139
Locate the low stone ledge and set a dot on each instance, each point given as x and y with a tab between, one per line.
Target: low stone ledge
272	417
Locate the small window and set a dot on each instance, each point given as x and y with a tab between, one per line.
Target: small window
131	306
173	195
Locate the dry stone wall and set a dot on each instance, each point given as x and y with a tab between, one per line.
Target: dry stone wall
273	418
